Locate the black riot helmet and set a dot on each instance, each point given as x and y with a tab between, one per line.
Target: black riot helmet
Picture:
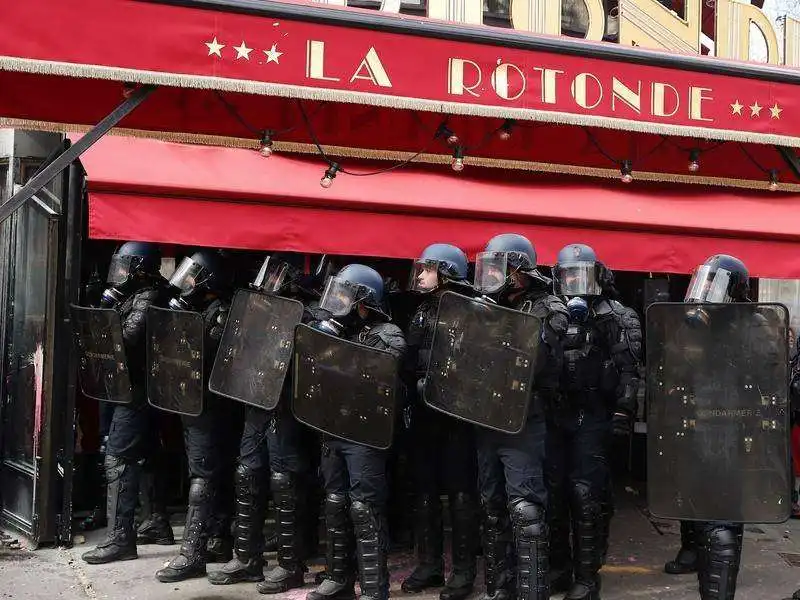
721	278
438	265
196	276
577	272
503	256
353	285
131	264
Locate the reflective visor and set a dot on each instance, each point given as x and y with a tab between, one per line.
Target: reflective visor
188	274
273	275
339	296
491	271
424	276
120	268
577	279
709	285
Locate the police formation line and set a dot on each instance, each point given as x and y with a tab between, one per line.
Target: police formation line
491	377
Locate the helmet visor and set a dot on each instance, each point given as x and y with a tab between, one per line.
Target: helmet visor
120	268
274	275
339	296
188	275
491	271
424	276
577	279
710	285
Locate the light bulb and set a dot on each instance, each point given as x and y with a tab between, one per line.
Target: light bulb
504	133
330	174
457	164
452	139
326	182
773	180
694	161
626	172
266	145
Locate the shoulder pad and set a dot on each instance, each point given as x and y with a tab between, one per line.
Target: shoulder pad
603	307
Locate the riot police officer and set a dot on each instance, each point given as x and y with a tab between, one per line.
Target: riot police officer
355	475
199	285
135	284
272	441
511	477
442	449
599	385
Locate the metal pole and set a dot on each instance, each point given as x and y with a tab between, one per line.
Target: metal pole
48	173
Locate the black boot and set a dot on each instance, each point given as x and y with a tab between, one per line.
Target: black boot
686	560
248	562
120	543
191	562
428	537
464	518
372	546
155	527
719	556
289	572
587	543
560	549
497	553
532	540
340	572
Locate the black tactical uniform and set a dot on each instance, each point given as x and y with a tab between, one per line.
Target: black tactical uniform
206	437
133	436
602	350
442	449
511	475
355	475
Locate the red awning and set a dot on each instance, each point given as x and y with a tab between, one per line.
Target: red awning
195	195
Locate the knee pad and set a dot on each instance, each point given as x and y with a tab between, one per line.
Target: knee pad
200	490
114	467
365	521
723	542
583	501
336	510
281	482
528	518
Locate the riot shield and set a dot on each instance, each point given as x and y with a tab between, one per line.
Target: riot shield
103	367
344	389
482	363
256	348
175	360
718	412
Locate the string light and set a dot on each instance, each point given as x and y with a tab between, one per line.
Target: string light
330	175
694	160
626	171
458	159
266	144
773	180
445	132
504	133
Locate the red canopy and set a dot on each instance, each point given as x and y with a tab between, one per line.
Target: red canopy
195	195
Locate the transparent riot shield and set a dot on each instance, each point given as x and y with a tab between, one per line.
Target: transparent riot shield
482	363
344	389
718	412
175	360
103	367
256	348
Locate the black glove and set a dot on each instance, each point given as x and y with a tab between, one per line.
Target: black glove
622	424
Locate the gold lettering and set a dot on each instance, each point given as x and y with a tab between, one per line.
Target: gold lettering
696	98
374	67
315	61
458	11
500	81
455	77
651	25
659	100
548	84
579	90
733	31
626	95
791	42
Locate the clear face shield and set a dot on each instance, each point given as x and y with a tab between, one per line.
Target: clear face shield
424	276
709	285
188	275
120	268
273	275
578	279
339	296
491	272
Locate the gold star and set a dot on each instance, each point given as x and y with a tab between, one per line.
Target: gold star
242	51
273	55
736	108
776	111
755	109
214	47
